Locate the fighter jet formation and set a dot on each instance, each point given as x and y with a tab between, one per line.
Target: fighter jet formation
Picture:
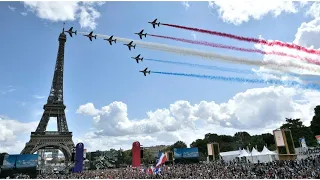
130	44
141	34
154	23
137	58
145	72
71	32
110	40
90	36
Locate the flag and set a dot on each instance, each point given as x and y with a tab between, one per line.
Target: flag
142	170
157	170
162	160
318	138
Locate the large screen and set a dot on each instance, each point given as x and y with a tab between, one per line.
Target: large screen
9	161
27	161
20	161
185	153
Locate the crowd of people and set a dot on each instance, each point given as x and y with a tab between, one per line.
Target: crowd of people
308	168
296	169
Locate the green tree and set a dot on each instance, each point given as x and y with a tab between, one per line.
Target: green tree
178	144
257	142
298	130
315	123
201	144
268	139
242	139
127	157
147	157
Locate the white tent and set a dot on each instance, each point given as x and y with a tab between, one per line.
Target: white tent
266	155
243	153
230	155
254	156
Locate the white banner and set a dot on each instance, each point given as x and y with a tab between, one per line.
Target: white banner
210	152
279	138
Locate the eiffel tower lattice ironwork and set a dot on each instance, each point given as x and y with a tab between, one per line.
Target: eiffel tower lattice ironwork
61	139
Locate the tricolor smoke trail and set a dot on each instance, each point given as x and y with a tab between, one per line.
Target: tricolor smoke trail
242	80
215	45
213	56
247	39
215	68
210	67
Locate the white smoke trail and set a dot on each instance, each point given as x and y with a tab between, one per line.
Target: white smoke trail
212	56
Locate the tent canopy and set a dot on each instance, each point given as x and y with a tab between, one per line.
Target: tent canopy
230	153
254	152
266	151
243	153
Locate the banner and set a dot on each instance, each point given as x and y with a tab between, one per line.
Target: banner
318	138
185	153
279	138
209	147
78	167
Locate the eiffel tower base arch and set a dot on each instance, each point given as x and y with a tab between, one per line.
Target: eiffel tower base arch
53	140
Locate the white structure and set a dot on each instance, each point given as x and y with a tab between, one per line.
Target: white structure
243	153
266	155
230	155
254	156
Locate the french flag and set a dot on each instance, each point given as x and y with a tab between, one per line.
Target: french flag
162	160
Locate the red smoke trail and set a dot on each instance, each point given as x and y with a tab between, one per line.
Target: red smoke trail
255	40
237	48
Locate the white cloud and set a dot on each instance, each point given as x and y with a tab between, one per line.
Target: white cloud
66	11
24	13
314	10
308	34
237	12
12	8
88	109
255	110
88	16
38	96
11	132
185	4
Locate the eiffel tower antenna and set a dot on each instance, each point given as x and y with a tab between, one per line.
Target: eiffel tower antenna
63	27
61	139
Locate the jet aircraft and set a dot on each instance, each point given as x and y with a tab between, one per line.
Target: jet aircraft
154	23
110	40
130	45
145	72
141	34
90	36
137	58
71	32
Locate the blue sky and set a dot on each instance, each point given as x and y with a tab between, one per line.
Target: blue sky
98	73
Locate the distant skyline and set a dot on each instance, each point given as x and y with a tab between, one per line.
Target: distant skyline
111	105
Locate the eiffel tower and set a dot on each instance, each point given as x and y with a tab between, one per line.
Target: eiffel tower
61	139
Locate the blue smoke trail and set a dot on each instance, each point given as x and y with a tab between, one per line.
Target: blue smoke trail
204	66
243	80
217	68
